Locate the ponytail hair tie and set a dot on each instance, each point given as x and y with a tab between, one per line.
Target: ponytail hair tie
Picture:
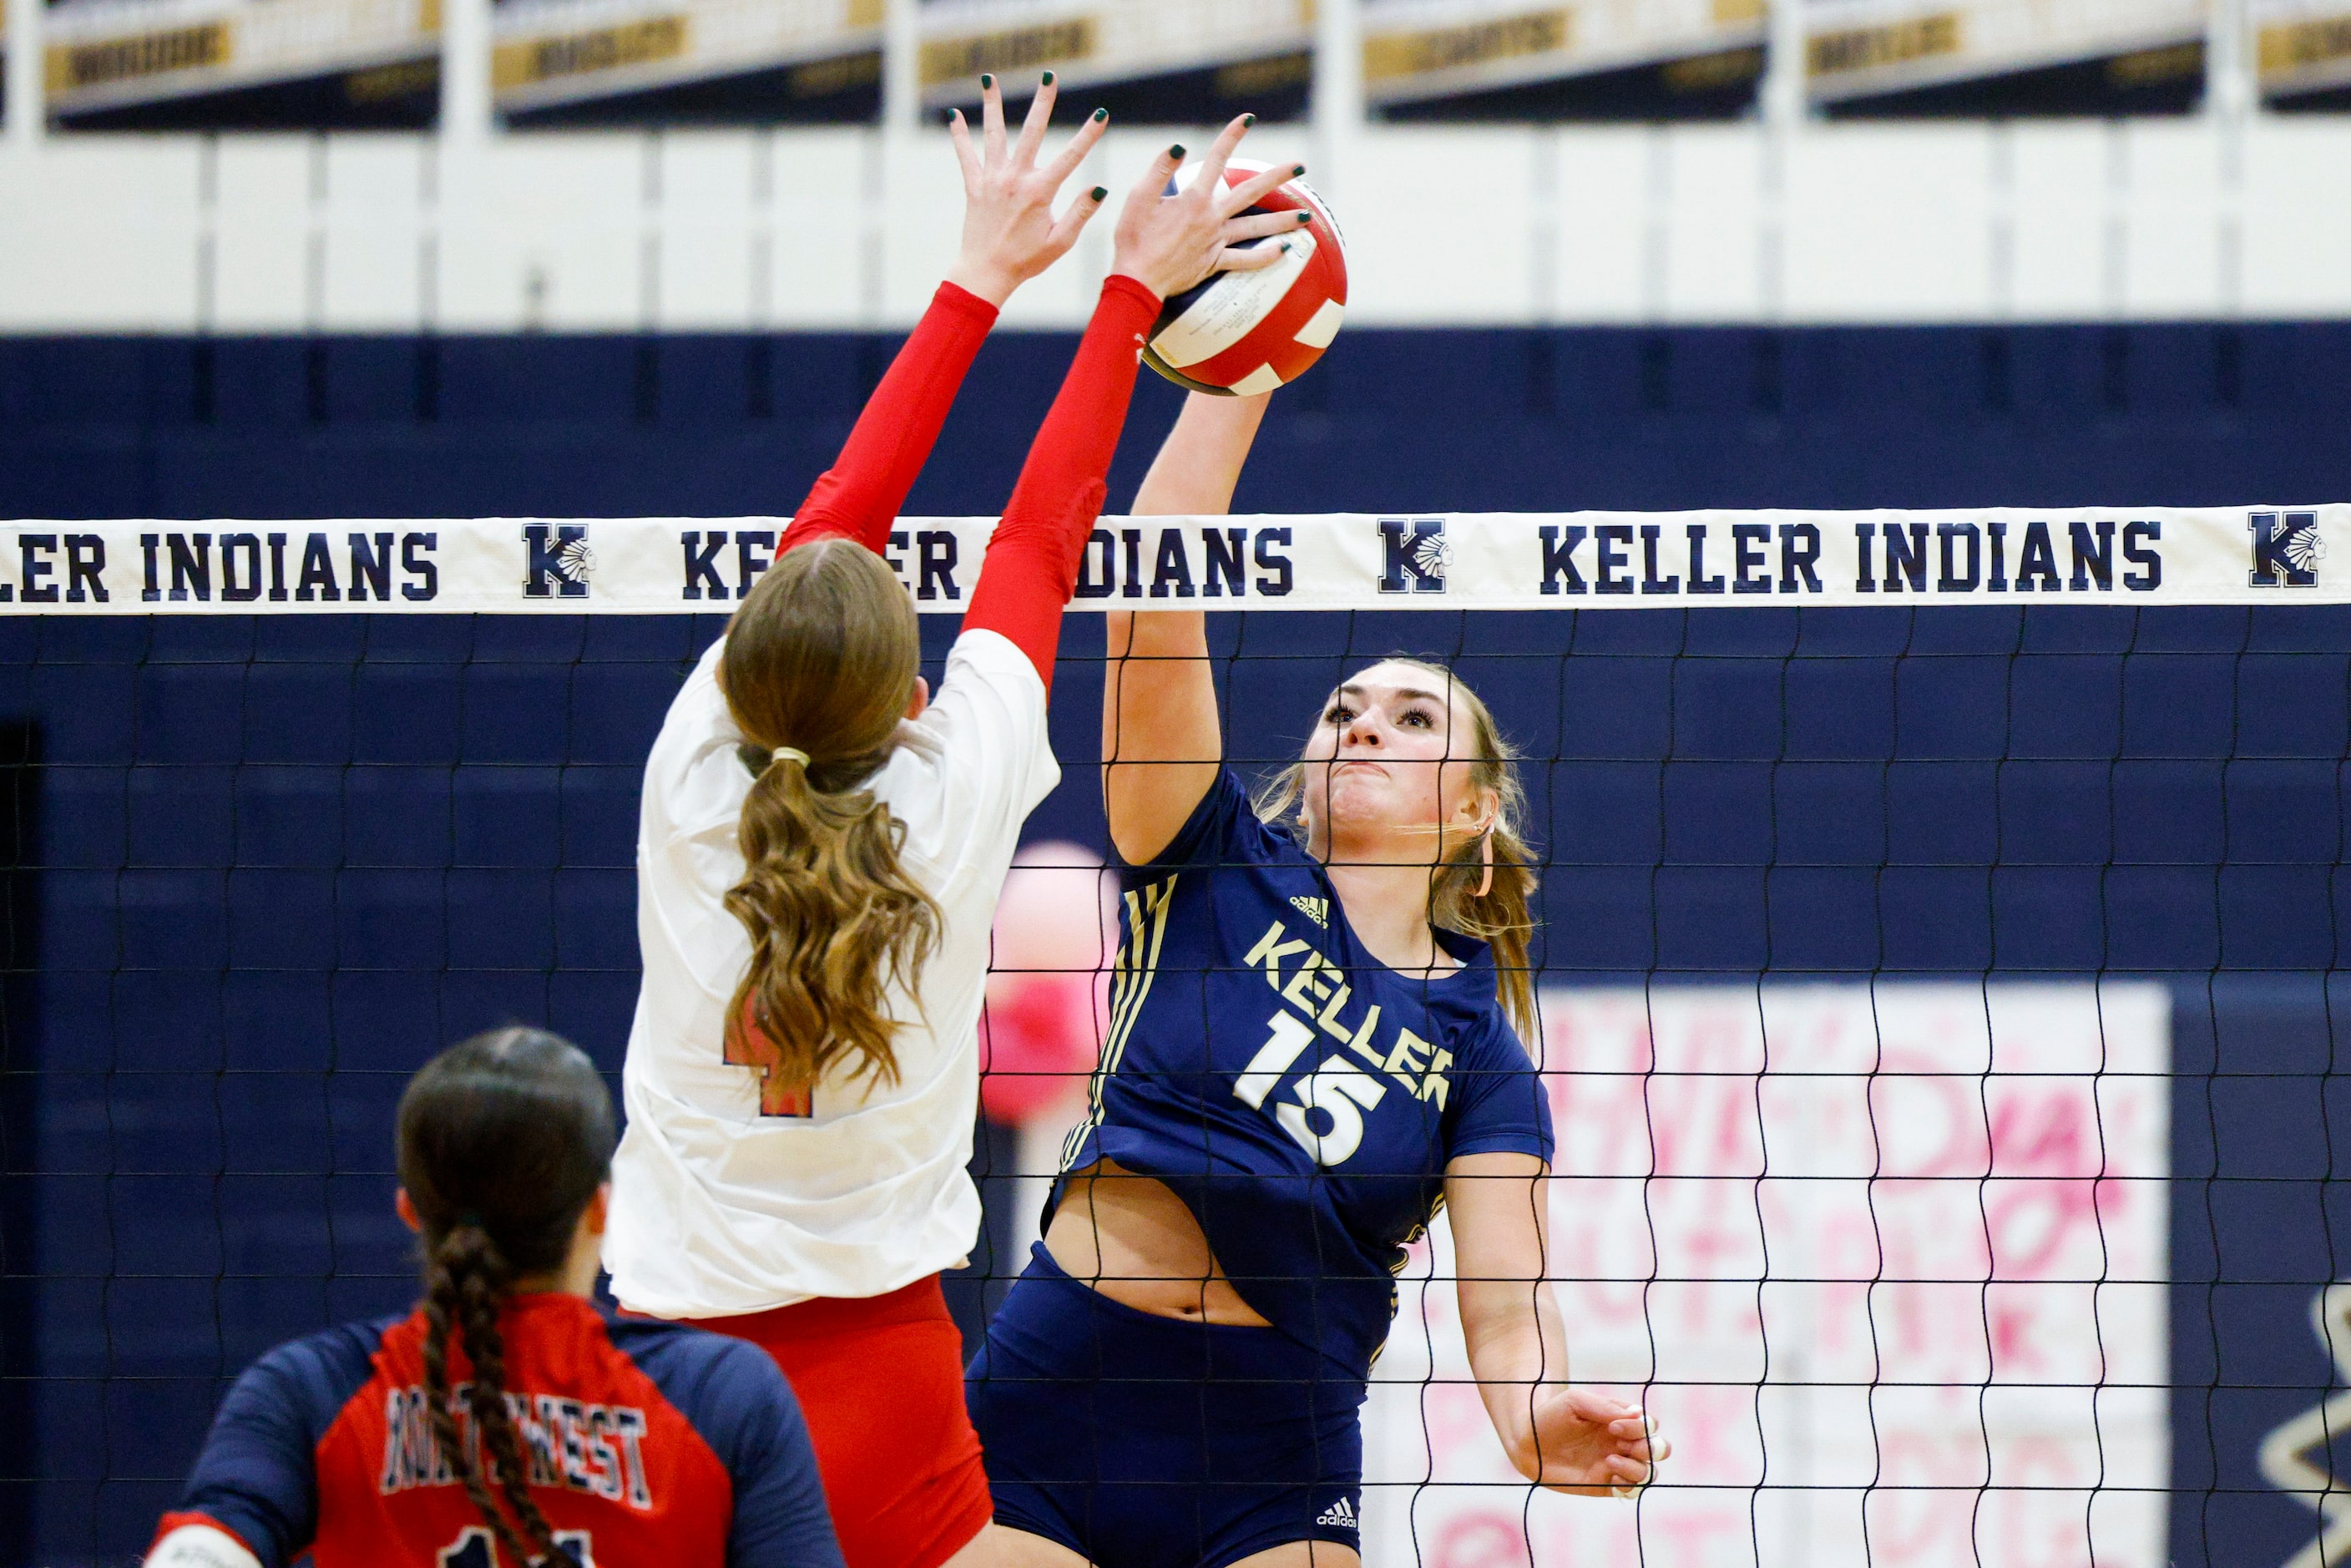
788	753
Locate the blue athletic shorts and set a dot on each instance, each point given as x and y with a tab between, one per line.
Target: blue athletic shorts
1148	1442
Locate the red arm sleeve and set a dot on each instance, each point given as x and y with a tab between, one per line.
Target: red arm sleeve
859	496
1032	559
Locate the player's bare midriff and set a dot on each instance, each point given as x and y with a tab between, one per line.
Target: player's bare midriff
1133	1239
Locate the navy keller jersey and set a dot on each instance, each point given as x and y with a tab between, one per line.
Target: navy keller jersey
1301	1098
643	1442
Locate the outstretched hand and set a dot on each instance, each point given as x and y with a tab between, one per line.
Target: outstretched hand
1167	243
1009	232
1591	1445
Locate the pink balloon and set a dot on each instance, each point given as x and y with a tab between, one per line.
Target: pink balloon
1048	986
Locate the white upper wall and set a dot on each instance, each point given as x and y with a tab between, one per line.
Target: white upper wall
2208	217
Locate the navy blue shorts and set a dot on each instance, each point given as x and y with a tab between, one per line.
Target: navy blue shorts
1148	1442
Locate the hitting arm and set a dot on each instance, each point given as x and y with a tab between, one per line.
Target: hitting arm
1165	245
1162	743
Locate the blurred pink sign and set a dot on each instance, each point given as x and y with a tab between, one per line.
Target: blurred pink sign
1887	1264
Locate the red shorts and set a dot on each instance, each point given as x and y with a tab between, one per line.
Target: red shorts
881	1382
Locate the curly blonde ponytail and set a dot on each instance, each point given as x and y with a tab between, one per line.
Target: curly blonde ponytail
818	667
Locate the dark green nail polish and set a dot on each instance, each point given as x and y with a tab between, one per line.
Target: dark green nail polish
954	115
1177	151
986	81
1048	79
1248	120
1304	218
1101	192
1300	169
1100	115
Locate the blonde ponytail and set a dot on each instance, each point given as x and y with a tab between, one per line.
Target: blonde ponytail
819	665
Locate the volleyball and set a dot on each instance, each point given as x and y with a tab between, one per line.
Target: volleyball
1241	334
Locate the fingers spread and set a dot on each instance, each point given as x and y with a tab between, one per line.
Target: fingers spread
1066	163
959	132
1155	179
1257	187
991	118
1213	169
1032	130
1248	257
1073	222
1257	226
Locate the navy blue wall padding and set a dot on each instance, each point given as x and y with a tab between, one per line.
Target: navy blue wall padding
279	860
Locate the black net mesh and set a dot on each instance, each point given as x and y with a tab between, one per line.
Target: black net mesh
259	868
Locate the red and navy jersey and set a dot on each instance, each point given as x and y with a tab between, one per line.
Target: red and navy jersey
645	1442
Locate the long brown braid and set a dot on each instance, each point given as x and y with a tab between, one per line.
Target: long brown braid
503	1140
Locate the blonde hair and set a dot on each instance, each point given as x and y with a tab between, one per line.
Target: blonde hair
1504	918
821	659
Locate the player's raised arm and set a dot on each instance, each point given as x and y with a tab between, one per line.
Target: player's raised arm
1010	234
1161	740
1165	245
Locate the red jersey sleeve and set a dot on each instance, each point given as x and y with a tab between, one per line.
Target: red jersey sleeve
859	496
1032	559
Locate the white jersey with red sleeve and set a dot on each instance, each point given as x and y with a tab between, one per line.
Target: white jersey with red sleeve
719	1209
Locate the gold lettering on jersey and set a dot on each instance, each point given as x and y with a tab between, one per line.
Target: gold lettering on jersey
566	1443
1318	989
1307	988
1271	950
1407	1061
1329	1018
1432	1083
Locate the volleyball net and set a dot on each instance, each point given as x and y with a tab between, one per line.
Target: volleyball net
1940	920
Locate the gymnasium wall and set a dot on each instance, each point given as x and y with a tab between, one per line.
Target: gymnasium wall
2208	217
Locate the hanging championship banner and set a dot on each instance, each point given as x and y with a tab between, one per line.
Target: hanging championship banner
1462	561
580	62
1187	61
1886	1262
2304	49
1477	58
2003	57
230	65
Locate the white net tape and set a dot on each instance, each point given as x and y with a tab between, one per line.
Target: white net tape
1425	560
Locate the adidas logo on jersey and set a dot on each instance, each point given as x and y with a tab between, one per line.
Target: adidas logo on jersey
1340	1514
1318	910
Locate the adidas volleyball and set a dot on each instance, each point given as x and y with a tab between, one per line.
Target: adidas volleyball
1242	333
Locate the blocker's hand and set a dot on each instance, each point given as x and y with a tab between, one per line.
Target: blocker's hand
1009	232
1591	1445
1167	243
